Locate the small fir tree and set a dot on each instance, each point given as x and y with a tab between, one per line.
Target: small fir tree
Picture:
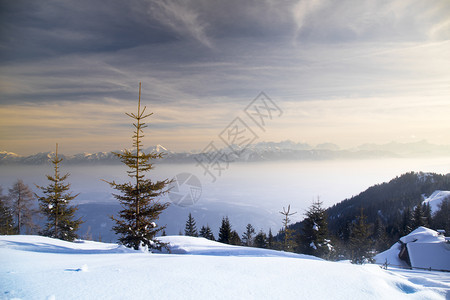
55	205
260	240
191	228
360	244
314	240
22	200
235	239
288	244
207	233
139	198
247	237
6	217
225	231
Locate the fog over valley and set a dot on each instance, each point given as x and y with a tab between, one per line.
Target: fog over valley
253	192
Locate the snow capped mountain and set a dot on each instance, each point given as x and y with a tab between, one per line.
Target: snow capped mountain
283	145
8	156
262	151
157	149
80	158
40	158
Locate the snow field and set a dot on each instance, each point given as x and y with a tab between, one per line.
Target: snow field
34	267
436	199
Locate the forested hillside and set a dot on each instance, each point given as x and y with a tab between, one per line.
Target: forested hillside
389	210
388	201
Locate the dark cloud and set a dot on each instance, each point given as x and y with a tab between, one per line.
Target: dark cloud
48	28
36	29
204	49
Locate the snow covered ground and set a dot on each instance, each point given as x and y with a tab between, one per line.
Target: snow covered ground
33	267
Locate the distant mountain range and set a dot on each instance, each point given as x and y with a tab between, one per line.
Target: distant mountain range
263	151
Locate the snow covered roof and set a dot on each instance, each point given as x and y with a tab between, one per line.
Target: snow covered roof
426	249
421	235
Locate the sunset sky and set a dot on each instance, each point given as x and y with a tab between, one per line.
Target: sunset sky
347	72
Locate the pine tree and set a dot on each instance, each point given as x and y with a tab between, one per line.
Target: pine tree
55	205
406	224
225	231
270	240
380	237
360	244
21	199
191	228
260	240
139	198
441	219
247	237
427	215
207	233
235	239
418	216
6	217
314	240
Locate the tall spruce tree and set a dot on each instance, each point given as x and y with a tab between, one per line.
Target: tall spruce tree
418	216
139	198
314	240
225	231
360	244
22	204
406	223
380	238
55	205
191	228
427	215
207	233
6	216
247	237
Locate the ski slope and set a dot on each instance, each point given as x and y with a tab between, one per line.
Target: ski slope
34	267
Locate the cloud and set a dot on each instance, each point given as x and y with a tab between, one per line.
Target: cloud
304	9
182	19
345	21
202	61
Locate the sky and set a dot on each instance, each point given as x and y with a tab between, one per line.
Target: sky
346	72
